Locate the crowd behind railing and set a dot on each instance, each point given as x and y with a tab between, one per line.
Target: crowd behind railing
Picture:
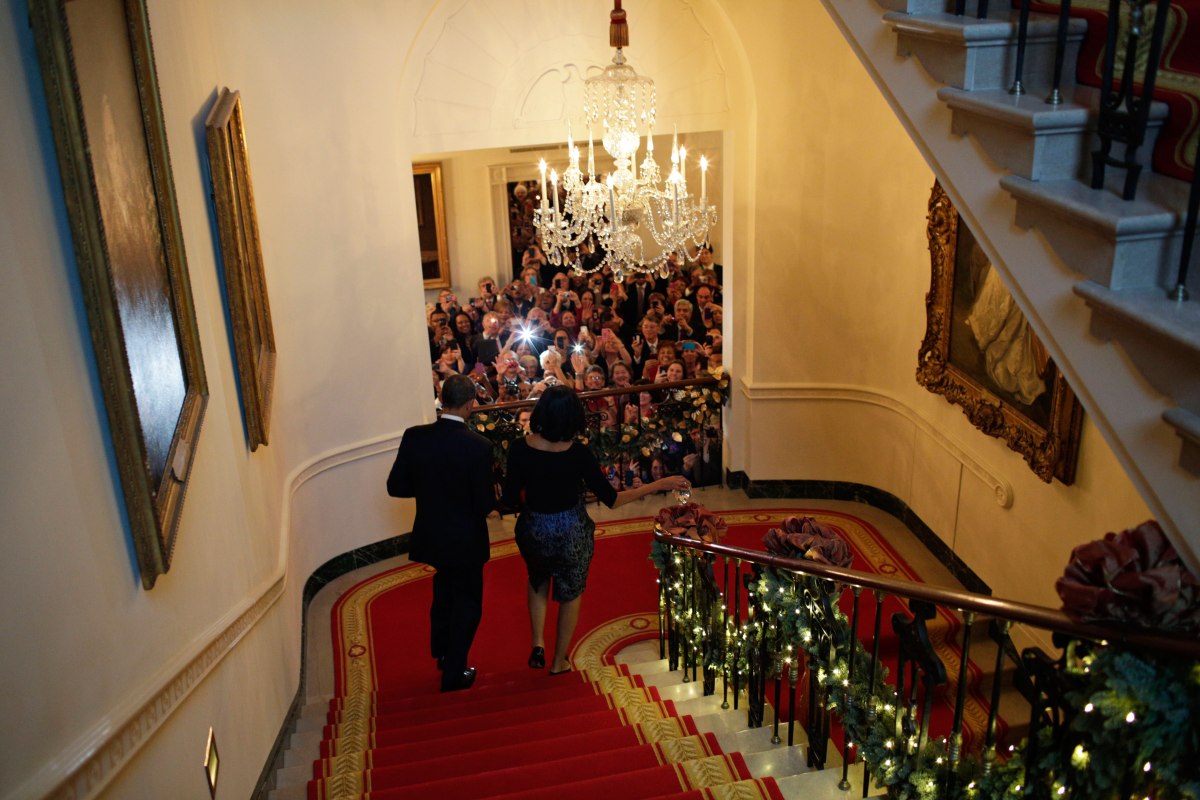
644	353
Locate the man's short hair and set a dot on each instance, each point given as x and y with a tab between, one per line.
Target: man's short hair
457	391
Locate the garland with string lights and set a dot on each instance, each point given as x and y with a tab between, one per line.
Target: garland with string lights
1135	731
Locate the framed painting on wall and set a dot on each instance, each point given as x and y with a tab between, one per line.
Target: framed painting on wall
97	65
431	225
981	354
241	256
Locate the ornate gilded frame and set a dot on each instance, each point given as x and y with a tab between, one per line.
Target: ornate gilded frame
97	65
241	256
1045	432
431	225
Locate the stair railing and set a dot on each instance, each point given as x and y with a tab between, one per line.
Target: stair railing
1124	106
1180	292
885	717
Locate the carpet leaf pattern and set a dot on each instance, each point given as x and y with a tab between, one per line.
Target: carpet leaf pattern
711	771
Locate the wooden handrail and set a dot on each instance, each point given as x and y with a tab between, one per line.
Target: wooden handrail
1012	610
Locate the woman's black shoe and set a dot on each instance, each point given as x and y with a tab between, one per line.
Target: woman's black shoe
537	659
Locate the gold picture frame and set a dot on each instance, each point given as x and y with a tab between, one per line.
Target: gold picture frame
431	225
241	256
980	353
97	65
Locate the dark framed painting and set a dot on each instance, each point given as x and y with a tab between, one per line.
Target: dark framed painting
981	354
97	65
241	257
431	225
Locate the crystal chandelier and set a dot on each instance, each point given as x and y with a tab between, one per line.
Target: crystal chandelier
613	212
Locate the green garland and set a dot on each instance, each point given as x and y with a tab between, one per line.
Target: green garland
690	408
1135	731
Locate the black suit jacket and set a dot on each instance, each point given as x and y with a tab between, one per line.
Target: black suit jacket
447	467
628	310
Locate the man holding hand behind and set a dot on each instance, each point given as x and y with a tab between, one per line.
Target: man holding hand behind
447	467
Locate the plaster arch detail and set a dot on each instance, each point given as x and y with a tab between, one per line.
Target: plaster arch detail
519	76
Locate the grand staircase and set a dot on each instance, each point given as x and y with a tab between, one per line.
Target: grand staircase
628	728
1090	270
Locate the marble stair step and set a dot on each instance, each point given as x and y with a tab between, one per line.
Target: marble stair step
297	775
1116	243
303	748
290	792
1033	139
974	54
823	785
639	652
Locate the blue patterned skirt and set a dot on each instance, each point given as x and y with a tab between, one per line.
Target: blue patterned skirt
559	546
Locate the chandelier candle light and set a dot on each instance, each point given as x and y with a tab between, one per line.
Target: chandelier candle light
610	213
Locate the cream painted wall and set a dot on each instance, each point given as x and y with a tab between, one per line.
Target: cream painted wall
86	644
823	235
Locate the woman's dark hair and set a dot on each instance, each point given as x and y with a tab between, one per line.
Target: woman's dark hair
451	345
558	415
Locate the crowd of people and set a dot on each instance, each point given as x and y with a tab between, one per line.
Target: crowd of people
552	326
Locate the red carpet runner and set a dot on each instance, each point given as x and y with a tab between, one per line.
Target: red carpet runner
518	732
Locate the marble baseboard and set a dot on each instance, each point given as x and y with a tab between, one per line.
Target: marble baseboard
331	570
869	495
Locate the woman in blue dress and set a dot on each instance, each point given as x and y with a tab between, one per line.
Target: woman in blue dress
548	472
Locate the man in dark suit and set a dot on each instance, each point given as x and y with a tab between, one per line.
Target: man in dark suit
447	467
637	302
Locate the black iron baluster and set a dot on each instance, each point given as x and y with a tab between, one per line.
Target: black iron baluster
778	692
927	673
685	619
725	634
1018	86
672	575
1123	115
960	702
999	633
699	621
662	623
757	686
872	711
737	629
793	679
960	7
844	783
1180	292
1060	51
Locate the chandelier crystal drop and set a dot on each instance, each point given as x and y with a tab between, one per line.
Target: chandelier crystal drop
631	204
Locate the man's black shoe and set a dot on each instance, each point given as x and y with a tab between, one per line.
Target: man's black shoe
463	680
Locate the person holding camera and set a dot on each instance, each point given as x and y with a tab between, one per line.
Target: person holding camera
487	344
486	300
552	368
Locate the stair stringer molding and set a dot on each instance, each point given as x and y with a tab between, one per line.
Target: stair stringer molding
1125	408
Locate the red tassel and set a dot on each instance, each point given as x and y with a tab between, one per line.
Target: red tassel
618	28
